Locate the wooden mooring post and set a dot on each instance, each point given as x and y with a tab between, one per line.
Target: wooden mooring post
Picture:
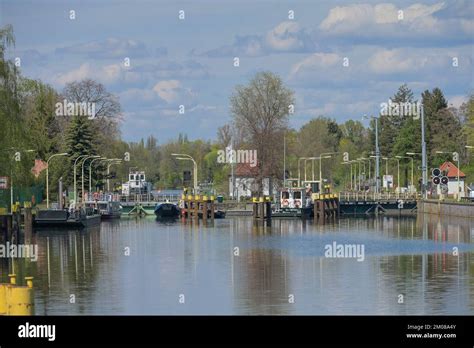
262	208
198	207
6	223
10	223
326	206
27	222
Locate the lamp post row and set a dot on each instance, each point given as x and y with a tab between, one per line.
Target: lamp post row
82	158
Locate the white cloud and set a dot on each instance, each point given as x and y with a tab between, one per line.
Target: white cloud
107	74
317	61
83	72
345	19
287	36
107	49
167	69
394	61
168	90
171	91
428	62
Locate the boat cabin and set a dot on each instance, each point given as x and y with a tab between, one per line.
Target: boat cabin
294	197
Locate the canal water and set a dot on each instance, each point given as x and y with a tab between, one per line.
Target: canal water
405	265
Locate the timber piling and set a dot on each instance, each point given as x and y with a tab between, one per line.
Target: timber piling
198	207
326	208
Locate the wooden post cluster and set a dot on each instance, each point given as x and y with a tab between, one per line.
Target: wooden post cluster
28	221
326	206
262	208
198	207
10	223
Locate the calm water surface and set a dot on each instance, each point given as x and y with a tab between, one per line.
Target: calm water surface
409	256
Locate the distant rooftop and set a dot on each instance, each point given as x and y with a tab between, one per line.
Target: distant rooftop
452	170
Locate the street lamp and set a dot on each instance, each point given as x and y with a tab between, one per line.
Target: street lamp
370	166
413	154
299	169
75	174
398	169
455	157
112	162
377	153
354	162
321	156
398	174
47	177
386	169
411	158
90	171
82	179
184	157
359	172
350	164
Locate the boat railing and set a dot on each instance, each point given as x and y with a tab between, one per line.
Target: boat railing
96	196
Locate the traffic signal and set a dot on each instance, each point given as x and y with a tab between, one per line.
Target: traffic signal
444	180
436	180
436	172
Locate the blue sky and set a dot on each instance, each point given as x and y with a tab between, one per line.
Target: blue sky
190	62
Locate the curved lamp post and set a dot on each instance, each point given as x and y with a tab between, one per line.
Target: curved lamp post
112	162
82	179
184	157
47	176
299	169
411	158
75	174
321	156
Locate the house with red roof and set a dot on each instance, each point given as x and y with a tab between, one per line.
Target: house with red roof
245	178
451	171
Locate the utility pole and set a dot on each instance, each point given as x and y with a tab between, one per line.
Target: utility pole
284	161
424	174
377	157
377	153
232	166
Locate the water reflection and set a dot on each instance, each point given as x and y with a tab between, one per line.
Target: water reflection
239	266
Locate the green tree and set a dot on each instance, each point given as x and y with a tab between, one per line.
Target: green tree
79	141
38	106
260	112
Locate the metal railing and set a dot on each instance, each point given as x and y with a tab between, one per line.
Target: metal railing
149	198
372	196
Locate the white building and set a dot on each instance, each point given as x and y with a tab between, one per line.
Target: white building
452	173
245	178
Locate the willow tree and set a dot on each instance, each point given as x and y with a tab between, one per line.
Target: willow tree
260	112
12	130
